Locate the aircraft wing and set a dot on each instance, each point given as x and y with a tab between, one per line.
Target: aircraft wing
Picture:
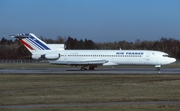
87	62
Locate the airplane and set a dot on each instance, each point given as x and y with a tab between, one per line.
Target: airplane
89	59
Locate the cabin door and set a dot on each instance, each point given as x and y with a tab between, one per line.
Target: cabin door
65	56
147	56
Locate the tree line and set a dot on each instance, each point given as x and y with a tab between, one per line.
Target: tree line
13	49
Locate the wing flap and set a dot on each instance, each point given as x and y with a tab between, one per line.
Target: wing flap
88	62
97	62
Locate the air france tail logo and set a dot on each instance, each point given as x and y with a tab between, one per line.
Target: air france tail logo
33	43
26	44
34	39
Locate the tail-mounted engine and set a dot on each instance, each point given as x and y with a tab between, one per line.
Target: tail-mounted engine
50	56
46	56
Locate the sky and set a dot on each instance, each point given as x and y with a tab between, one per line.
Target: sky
97	20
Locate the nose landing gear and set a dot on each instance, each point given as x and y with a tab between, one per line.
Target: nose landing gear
158	68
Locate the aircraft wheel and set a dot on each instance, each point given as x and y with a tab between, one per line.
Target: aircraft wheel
83	68
91	67
158	68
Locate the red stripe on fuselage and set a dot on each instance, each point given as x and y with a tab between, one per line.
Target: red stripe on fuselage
27	45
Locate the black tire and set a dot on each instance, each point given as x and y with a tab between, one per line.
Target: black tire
91	67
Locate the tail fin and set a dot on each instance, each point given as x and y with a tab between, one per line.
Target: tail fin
31	42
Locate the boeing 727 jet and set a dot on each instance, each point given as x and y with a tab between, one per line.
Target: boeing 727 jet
56	54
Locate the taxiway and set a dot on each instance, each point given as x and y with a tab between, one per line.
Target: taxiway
96	71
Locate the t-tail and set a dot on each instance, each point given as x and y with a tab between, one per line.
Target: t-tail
38	48
31	42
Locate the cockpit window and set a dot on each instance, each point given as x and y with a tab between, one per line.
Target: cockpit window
166	55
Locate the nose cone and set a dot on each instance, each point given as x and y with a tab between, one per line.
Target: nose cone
172	60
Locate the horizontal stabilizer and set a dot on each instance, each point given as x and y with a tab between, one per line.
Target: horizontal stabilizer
19	36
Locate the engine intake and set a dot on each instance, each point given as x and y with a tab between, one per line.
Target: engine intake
36	56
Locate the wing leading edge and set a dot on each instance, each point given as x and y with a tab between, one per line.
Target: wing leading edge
87	62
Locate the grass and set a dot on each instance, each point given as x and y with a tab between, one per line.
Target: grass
56	89
25	89
109	108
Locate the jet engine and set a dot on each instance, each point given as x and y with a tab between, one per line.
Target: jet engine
50	56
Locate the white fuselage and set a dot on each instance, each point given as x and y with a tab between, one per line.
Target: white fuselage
114	57
56	54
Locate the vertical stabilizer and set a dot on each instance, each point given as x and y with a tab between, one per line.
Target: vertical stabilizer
31	42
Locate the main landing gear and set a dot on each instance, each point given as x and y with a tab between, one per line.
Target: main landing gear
90	67
83	68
